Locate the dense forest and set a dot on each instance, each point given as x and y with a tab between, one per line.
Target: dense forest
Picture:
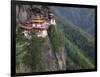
68	45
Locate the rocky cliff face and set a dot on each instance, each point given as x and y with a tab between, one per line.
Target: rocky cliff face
49	60
25	12
53	61
45	57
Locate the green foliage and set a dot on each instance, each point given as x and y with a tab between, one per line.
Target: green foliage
28	51
76	55
77	36
78	43
33	56
55	38
20	46
79	46
71	65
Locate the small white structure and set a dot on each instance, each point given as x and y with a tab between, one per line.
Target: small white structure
52	19
52	22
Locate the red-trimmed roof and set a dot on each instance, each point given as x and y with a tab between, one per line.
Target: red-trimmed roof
27	26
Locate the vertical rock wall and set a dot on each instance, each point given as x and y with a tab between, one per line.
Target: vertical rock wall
50	60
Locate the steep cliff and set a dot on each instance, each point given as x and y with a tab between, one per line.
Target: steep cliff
67	46
38	54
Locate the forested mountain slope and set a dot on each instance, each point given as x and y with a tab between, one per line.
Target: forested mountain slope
81	40
85	17
67	46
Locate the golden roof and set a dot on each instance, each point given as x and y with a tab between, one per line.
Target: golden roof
38	19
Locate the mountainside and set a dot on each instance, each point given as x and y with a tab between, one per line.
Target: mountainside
68	45
82	42
85	17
